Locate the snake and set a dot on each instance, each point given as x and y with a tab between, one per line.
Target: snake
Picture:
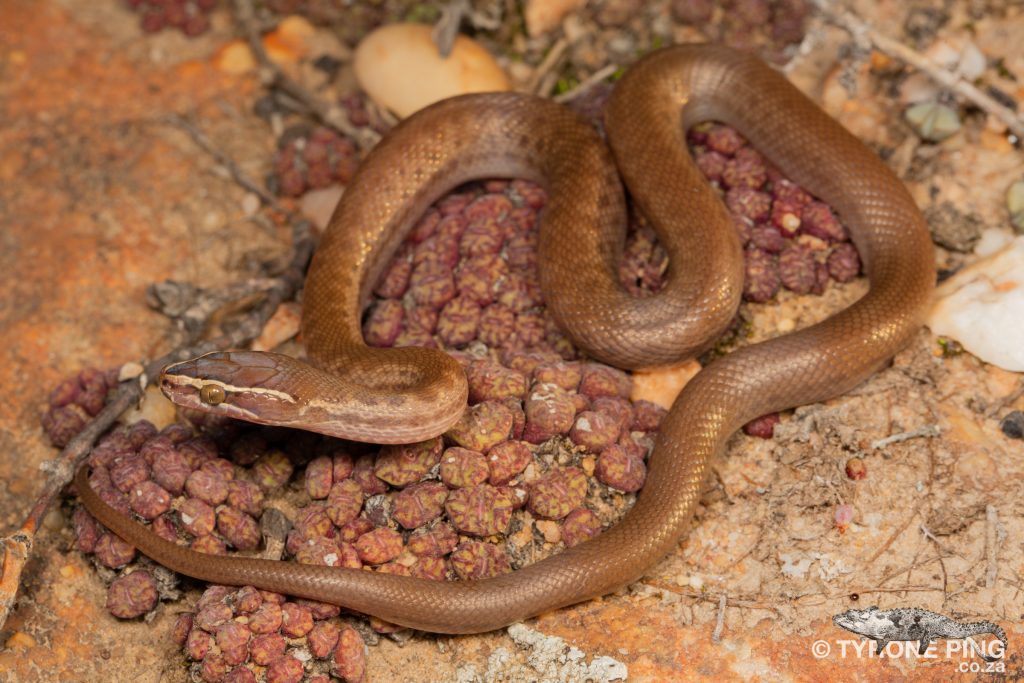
349	390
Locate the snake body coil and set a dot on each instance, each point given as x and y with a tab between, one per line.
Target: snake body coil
389	392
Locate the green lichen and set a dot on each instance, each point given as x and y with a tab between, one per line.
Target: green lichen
950	347
423	13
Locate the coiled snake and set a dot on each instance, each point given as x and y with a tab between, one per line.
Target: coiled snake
406	395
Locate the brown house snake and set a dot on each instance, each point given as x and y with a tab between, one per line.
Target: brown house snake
406	395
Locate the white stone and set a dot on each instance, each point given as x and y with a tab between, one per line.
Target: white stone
319	204
982	307
399	66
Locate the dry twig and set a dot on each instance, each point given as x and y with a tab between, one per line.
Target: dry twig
587	83
893	537
716	635
927	431
994	537
551	60
330	114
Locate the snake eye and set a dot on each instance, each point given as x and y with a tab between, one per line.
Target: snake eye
211	394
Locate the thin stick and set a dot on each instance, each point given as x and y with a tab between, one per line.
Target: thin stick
858	28
895	535
928	431
994	535
587	83
329	114
203	141
550	61
716	635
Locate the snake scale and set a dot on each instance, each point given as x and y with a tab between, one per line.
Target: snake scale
405	395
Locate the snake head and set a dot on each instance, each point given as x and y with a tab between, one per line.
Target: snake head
245	385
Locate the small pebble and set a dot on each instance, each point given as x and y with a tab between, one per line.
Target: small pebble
549	530
1013	425
856	469
400	67
933	121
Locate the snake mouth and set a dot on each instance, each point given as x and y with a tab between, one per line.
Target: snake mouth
229	384
181	389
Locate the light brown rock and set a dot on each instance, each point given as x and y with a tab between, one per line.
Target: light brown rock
400	68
